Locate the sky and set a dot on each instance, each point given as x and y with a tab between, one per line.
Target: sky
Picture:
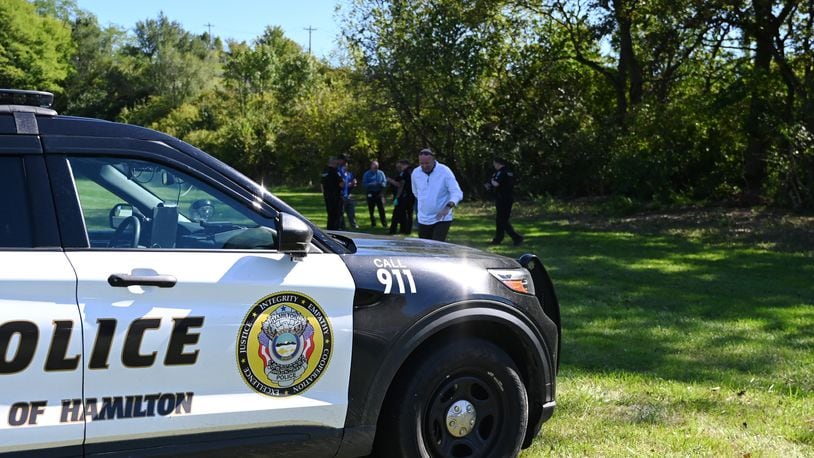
242	20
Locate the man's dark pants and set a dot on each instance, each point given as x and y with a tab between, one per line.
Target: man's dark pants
376	199
504	211
402	216
333	205
437	231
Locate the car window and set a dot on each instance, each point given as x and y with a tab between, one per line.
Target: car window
15	215
140	204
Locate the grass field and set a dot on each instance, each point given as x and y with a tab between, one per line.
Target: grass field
685	333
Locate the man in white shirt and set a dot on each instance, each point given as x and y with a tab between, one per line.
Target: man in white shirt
437	192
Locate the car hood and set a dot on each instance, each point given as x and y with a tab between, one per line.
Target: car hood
384	246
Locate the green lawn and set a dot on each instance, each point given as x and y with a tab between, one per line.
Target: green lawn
684	333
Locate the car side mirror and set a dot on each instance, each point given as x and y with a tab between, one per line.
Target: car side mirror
119	213
167	179
294	235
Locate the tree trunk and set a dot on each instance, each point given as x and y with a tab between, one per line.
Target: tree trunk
630	85
628	64
758	129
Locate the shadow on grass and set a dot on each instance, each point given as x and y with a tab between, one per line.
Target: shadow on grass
673	307
678	309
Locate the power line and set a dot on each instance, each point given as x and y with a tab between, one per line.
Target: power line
209	30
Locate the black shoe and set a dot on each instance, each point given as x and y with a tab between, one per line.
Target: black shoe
495	242
518	241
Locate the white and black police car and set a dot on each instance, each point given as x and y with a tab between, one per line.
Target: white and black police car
154	301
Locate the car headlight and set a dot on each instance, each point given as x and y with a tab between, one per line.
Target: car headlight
518	280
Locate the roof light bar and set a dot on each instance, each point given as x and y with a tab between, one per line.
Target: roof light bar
27	98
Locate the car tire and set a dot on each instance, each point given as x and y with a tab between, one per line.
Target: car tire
471	382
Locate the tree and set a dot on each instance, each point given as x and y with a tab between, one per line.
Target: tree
164	67
777	34
89	88
63	10
434	60
34	49
243	119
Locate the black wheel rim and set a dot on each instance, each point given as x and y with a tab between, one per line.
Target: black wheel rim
488	403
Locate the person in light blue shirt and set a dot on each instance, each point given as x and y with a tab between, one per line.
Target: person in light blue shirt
437	192
374	182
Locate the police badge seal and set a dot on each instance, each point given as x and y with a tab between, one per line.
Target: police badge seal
284	344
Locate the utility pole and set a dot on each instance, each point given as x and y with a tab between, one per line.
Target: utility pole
310	29
209	31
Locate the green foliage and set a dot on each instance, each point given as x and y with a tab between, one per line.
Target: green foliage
63	10
791	169
654	100
432	60
169	62
89	87
675	151
34	49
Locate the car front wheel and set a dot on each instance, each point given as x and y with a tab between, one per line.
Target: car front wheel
465	399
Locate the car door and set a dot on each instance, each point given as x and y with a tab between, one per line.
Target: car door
40	331
193	323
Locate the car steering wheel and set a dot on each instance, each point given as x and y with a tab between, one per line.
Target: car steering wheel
119	233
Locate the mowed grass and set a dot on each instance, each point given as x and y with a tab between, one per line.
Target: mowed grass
678	339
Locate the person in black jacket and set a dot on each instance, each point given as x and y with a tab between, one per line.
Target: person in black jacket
502	183
332	185
403	200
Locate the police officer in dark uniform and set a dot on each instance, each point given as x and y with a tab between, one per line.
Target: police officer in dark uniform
332	185
502	183
404	200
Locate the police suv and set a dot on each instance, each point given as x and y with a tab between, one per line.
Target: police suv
155	301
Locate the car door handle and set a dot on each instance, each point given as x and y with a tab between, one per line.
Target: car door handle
125	280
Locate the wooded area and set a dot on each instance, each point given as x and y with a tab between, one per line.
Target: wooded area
654	100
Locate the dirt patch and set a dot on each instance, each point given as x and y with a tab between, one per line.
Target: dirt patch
771	229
